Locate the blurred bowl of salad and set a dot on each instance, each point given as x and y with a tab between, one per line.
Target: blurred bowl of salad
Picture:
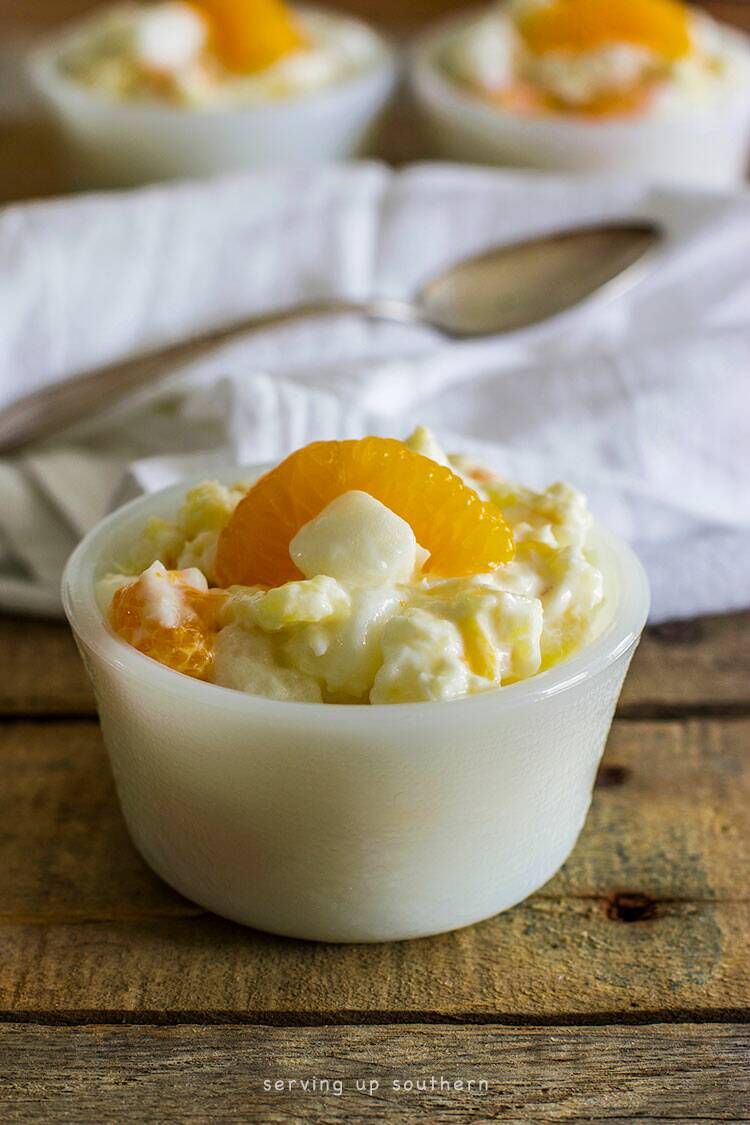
153	91
643	87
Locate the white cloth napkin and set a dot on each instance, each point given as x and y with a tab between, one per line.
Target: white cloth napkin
641	402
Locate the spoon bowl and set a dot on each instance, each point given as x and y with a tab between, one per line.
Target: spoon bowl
515	286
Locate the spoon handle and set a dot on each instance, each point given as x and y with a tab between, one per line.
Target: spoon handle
52	408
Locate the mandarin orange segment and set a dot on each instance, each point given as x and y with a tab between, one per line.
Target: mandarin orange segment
186	643
610	105
526	99
249	35
464	534
662	26
519	97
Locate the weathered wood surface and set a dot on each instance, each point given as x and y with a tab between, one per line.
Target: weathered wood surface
685	667
682	668
42	673
120	1074
650	915
392	14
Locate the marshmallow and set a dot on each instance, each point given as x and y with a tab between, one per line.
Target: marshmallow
358	541
169	37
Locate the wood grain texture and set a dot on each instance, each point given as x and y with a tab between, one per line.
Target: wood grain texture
42	673
394	15
650	915
682	668
135	1074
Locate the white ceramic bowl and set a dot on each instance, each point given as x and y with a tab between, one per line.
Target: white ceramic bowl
702	147
108	143
346	823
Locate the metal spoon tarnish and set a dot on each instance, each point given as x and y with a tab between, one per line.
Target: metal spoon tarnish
502	290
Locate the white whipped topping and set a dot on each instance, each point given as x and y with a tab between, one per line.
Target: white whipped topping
580	78
163	601
484	52
169	36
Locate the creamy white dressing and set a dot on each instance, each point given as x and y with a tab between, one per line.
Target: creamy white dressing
365	623
164	601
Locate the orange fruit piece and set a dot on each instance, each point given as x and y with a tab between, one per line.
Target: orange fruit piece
662	26
249	35
186	643
614	105
464	534
524	99
519	97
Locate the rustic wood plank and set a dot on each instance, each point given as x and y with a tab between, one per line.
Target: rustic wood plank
548	961
689	667
134	1074
684	666
391	14
651	913
42	671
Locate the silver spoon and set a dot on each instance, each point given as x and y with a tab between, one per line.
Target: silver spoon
504	289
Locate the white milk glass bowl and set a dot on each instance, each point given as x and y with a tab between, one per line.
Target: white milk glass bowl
350	823
110	143
702	146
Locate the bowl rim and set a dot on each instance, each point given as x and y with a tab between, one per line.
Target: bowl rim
618	636
431	83
43	58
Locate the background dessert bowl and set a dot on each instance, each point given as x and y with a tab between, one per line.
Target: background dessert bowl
700	145
110	142
351	823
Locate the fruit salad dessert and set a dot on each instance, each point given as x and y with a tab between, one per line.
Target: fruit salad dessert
597	58
371	571
204	53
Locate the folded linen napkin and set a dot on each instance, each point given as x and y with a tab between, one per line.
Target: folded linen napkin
641	402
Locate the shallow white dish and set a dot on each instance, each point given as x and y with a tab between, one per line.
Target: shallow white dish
351	823
702	147
109	143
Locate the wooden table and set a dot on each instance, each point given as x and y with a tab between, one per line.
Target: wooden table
620	991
